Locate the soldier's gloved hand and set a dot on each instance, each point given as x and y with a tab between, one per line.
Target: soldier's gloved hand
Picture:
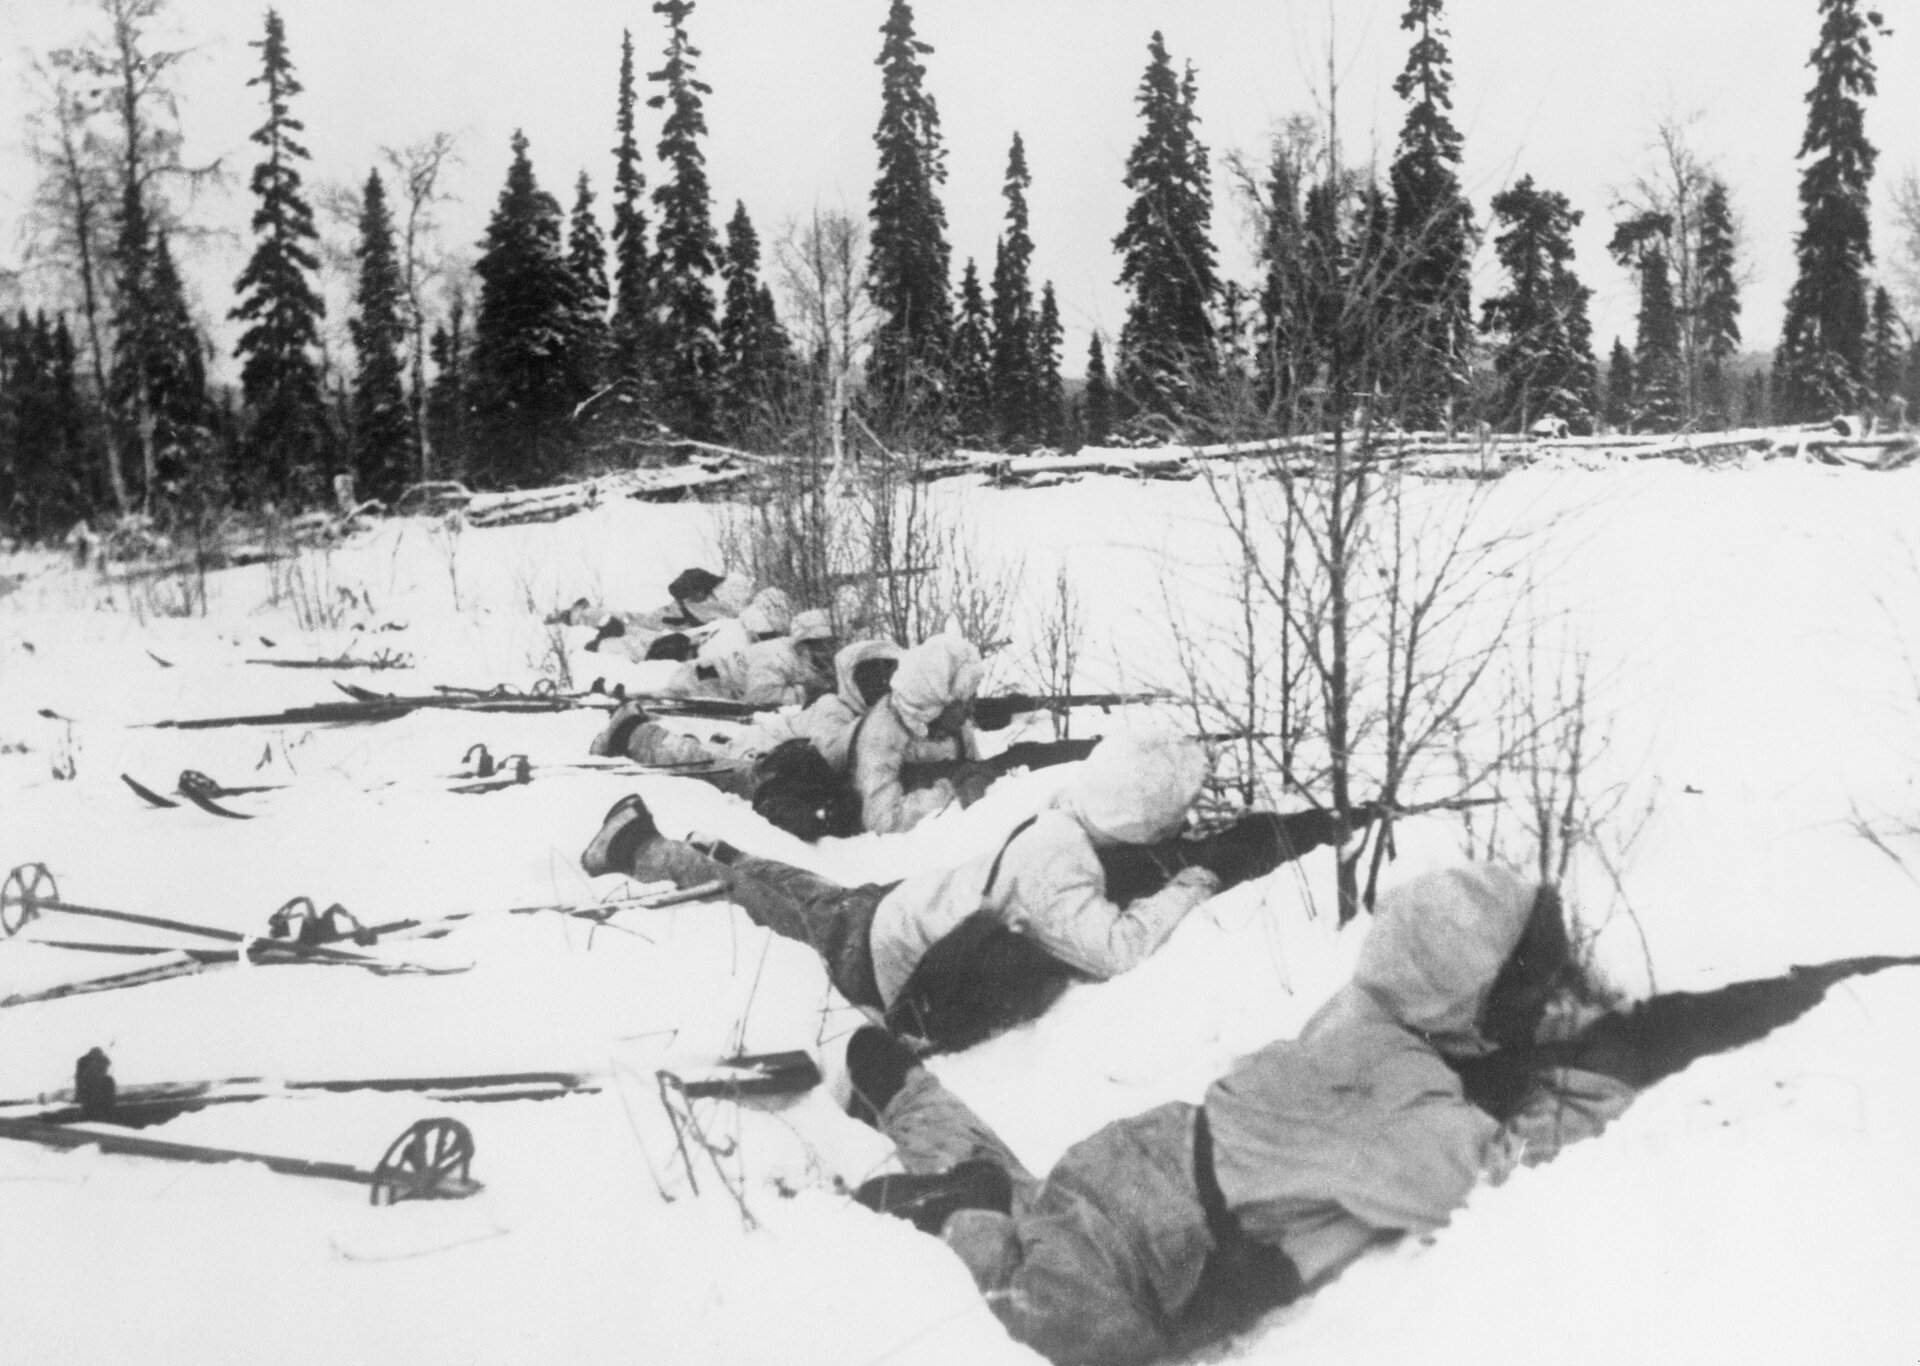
993	713
1311	829
1251	847
610	629
1366	814
971	781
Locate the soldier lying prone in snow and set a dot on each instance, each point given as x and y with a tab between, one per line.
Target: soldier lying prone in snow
1176	1226
1088	888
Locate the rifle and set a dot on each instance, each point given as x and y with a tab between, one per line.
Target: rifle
1036	754
997	713
1663	1034
366	705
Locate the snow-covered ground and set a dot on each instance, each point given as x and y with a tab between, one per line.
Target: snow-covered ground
1746	631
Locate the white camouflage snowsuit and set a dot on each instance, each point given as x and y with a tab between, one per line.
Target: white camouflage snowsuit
894	740
767	673
1048	884
1357	1132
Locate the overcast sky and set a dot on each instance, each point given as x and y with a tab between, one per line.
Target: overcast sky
1569	91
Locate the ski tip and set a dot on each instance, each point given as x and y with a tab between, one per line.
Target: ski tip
146	793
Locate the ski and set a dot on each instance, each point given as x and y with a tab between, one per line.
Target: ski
202	791
30	892
430	1161
599	911
185	966
213	808
189	962
321	714
94	1096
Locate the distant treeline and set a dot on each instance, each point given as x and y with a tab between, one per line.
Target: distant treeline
563	348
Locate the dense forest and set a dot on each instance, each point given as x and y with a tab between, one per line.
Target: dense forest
568	346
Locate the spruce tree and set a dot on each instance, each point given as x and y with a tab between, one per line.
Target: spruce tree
1429	289
775	365
1757	400
587	260
1013	320
971	367
1049	394
1639	244
176	378
279	376
523	369
754	351
1820	365
909	255
1167	257
632	327
383	430
1233	330
689	347
1656	360
18	385
1717	324
44	480
1617	408
1098	422
157	387
1544	356
77	487
1886	349
1282	358
1375	358
449	400
1323	271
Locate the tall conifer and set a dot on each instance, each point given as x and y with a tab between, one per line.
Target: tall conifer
1544	356
1717	325
1820	365
971	368
1013	320
523	368
1886	349
587	260
1640	244
909	254
755	354
1617	407
1098	422
1167	256
1282	357
632	325
689	346
449	399
176	377
1049	394
279	376
383	429
1429	292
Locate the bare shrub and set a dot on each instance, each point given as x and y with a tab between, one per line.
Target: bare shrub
1550	748
446	533
1383	600
1055	644
870	547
